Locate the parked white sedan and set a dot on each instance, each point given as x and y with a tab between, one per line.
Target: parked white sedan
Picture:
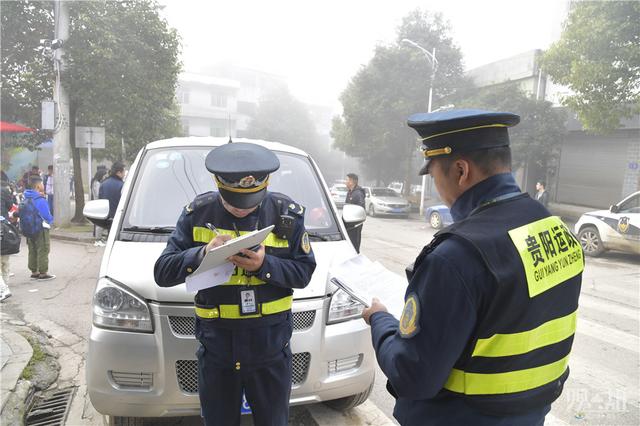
385	201
615	229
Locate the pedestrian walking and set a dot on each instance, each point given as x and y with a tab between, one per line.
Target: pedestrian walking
48	187
10	244
243	326
355	195
488	322
35	223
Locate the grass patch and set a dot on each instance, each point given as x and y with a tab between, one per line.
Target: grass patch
39	355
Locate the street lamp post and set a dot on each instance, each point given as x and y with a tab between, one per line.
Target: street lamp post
431	58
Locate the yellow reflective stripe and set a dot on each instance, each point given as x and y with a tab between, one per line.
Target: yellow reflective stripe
464	130
204	235
233	311
240	189
500	383
241	279
550	332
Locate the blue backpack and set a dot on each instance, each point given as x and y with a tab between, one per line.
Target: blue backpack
30	219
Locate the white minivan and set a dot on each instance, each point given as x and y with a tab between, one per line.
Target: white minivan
141	360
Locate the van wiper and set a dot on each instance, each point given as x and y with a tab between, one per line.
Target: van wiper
318	236
150	229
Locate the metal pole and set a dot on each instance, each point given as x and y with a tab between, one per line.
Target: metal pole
61	146
89	168
433	74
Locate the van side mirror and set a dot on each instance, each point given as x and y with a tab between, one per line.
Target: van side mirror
353	215
614	208
97	211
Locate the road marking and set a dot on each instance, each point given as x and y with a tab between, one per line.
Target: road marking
608	307
609	335
551	420
365	414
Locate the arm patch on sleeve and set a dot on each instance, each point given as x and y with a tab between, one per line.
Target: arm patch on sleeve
410	319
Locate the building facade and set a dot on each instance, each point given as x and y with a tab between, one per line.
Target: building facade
208	105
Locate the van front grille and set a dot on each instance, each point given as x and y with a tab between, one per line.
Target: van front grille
185	326
187	372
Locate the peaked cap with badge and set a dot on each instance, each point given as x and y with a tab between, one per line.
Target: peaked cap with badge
242	172
461	130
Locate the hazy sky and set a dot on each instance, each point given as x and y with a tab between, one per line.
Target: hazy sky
318	46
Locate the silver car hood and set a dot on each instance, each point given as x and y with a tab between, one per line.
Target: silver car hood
131	264
391	200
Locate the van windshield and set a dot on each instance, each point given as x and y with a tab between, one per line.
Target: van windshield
170	178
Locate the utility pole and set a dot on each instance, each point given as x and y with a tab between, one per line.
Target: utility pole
61	147
431	58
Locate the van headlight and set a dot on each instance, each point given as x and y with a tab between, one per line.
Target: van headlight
343	307
120	309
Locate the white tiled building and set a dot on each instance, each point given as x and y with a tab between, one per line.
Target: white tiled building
208	105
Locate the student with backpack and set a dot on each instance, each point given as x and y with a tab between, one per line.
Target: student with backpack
35	222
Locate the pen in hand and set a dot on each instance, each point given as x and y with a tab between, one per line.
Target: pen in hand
212	228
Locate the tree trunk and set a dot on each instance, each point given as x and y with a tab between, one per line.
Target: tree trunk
78	217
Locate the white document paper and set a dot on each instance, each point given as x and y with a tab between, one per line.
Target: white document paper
364	279
210	278
215	269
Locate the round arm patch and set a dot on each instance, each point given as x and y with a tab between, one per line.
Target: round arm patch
409	321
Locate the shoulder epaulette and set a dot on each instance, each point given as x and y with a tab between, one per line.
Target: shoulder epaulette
200	200
287	204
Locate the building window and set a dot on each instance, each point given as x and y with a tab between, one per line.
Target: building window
218	100
216	131
185	127
183	96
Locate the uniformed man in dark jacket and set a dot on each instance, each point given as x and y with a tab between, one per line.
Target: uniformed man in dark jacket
356	196
111	188
244	326
490	309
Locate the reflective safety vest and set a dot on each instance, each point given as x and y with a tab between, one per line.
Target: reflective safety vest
223	301
518	358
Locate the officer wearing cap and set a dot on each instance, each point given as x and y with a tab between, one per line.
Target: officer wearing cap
490	309
245	325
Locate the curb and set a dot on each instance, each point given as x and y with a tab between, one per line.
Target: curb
76	238
20	353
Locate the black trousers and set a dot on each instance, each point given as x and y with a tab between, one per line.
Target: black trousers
355	235
256	361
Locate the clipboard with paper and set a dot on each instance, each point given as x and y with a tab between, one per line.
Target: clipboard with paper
363	279
215	269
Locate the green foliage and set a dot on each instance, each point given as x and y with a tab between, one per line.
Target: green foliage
122	68
392	86
537	139
282	118
122	73
27	75
598	57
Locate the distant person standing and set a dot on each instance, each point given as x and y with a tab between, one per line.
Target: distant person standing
48	187
96	181
111	188
542	195
355	196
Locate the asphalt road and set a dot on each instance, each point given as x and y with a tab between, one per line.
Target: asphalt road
603	387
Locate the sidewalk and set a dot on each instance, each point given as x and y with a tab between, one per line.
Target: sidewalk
15	353
80	233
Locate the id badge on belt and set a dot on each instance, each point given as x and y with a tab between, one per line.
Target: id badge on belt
248	303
